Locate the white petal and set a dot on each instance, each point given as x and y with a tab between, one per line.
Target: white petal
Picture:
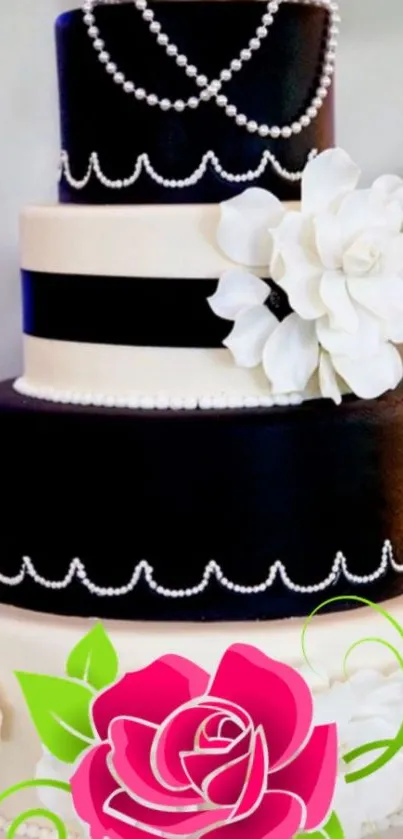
393	330
58	801
247	340
237	290
369	377
392	258
291	355
295	267
341	310
243	229
326	178
328	240
381	295
329	387
362	211
365	341
388	185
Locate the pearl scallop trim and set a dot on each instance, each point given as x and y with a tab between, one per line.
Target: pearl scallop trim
212	571
159	401
143	163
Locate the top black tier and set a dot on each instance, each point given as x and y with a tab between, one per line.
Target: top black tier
274	87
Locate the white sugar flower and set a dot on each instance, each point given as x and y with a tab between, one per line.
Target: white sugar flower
390	188
366	708
339	259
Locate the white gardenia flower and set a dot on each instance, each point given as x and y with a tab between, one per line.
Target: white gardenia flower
58	801
339	259
366	708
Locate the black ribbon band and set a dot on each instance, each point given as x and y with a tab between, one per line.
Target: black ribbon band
122	311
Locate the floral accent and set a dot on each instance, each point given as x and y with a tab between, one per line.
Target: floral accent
182	754
339	259
367	707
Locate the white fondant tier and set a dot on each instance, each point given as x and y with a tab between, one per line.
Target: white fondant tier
41	644
141	377
172	242
124	241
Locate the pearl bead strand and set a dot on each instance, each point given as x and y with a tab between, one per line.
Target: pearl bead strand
211	89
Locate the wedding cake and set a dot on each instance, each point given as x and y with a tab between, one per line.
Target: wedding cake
206	441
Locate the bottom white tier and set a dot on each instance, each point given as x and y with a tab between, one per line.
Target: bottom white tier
142	377
41	644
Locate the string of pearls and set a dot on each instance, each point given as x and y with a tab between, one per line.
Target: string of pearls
212	571
212	89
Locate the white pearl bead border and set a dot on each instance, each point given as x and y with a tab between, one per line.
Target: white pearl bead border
31	830
143	164
211	89
212	571
158	402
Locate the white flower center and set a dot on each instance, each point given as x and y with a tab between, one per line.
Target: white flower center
362	257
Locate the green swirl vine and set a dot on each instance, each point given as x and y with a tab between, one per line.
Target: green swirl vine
38	812
390	747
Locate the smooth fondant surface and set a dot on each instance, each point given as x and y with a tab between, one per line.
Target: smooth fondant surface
273	87
180	489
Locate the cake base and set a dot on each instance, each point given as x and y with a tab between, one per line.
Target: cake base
40	644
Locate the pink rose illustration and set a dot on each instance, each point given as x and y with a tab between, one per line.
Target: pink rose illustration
182	754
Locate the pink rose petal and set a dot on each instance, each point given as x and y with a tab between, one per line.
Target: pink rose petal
312	775
224	787
279	817
168	825
91	785
256	783
130	759
180	733
274	695
150	694
198	765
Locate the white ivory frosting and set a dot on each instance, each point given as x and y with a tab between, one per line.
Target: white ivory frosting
41	644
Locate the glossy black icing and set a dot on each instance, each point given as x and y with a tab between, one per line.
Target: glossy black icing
245	488
274	87
126	311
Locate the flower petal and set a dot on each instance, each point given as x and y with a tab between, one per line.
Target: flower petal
381	295
50	768
280	816
198	765
243	229
326	178
312	775
130	759
179	734
237	290
296	267
131	815
364	342
393	330
334	292
389	187
328	240
224	786
149	694
371	377
273	694
91	785
362	211
248	338
392	258
328	383
256	779
291	355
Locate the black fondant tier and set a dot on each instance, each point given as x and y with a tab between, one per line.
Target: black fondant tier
274	87
179	489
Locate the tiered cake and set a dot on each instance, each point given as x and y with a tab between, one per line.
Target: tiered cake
178	484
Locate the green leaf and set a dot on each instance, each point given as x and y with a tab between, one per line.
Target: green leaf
94	660
331	830
60	711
